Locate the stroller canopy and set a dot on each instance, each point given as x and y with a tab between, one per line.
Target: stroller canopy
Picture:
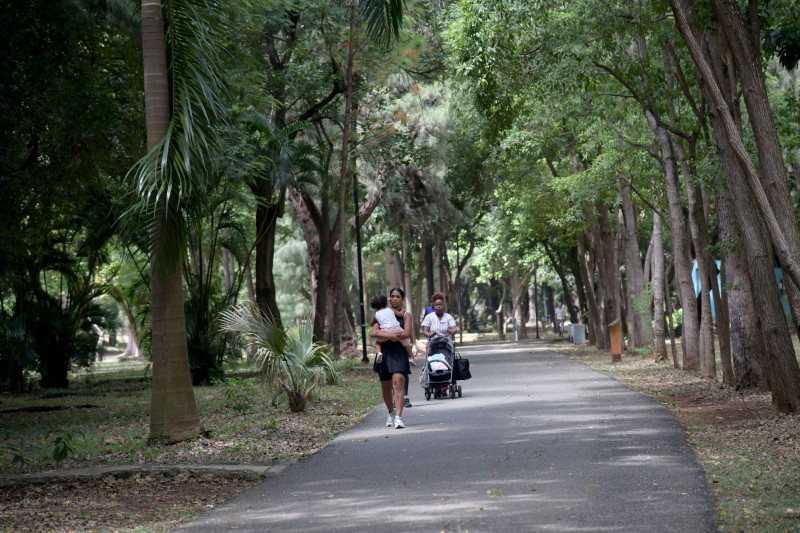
441	345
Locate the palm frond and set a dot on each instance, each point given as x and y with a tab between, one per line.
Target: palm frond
290	361
169	177
384	19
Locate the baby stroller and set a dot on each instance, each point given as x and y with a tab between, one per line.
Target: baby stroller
438	377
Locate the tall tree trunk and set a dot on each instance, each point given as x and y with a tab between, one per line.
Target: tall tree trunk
267	214
746	50
229	274
418	298
637	332
591	300
249	282
784	372
173	411
559	269
604	246
673	342
407	283
519	288
739	296
441	252
501	336
680	248
699	233
394	269
576	275
550	305
659	334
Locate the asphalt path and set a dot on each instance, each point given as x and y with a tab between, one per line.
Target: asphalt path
538	442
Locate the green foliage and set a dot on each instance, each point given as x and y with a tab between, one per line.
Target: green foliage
18	446
170	179
240	394
677	317
289	361
383	18
68	130
62	443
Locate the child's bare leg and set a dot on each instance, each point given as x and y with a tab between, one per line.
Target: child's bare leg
378	346
409	352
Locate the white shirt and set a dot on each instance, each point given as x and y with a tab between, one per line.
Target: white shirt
561	312
386	318
439	325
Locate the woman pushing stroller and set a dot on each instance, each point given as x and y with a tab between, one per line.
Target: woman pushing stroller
439	323
438	378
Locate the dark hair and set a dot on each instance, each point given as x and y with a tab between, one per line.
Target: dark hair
437	296
379	302
398	289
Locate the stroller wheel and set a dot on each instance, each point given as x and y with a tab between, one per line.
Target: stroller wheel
452	393
427	394
459	391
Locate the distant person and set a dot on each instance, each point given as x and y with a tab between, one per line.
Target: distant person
561	314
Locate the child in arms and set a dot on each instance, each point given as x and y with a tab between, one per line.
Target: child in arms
387	322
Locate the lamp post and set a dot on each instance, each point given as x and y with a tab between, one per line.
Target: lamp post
364	358
536	299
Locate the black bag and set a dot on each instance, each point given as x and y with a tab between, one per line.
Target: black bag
462	369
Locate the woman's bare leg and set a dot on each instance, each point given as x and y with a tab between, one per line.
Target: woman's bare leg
386	389
398	382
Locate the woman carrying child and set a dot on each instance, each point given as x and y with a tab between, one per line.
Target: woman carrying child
386	320
393	367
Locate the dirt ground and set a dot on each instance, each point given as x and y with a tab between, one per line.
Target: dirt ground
155	502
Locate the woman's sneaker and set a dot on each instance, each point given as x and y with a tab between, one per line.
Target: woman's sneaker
379	358
390	419
398	423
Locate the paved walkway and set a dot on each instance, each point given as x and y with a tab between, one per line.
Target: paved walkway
538	442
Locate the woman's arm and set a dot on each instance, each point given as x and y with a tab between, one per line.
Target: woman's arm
406	327
453	328
427	331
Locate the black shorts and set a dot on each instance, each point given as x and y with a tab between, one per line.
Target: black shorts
386	376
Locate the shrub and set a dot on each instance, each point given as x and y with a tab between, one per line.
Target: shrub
288	360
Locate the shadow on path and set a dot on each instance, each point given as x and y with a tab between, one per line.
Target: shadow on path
538	442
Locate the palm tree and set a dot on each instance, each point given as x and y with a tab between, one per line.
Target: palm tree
182	103
183	92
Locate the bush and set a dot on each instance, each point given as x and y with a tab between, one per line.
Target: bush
289	360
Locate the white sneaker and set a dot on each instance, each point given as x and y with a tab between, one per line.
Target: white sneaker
379	358
390	419
398	423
